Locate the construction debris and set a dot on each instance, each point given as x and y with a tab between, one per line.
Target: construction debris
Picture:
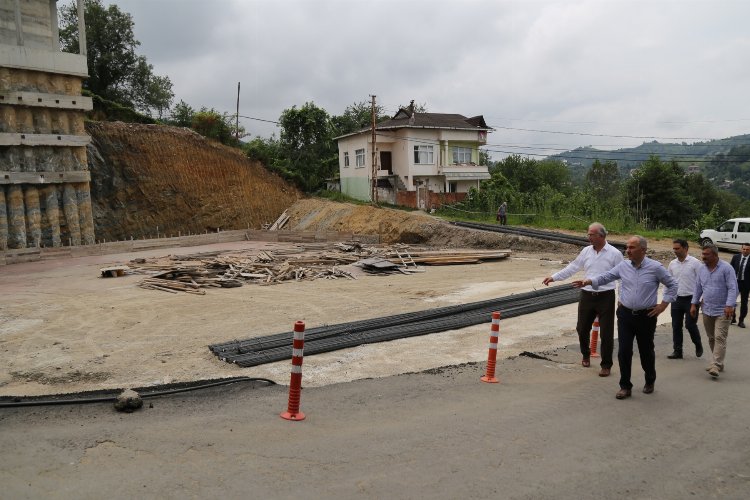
114	271
195	272
280	222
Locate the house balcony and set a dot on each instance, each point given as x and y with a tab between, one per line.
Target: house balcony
464	172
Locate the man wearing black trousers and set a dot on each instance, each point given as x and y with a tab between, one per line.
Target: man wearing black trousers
742	270
684	268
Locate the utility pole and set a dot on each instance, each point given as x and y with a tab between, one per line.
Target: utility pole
237	116
374	195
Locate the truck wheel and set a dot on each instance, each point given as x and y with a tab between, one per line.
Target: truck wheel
706	241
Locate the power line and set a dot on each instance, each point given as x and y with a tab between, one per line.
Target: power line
603	135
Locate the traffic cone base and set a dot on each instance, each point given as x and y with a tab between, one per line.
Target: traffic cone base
489	380
293	416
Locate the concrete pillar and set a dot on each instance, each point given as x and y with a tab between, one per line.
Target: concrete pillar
16	218
51	217
3	220
7	119
33	216
70	209
85	213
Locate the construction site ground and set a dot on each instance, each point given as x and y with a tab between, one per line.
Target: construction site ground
404	419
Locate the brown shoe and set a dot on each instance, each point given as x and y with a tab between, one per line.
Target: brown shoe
586	362
623	393
648	388
604	372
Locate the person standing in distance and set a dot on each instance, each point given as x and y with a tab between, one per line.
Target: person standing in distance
638	310
742	270
502	214
684	268
716	290
594	260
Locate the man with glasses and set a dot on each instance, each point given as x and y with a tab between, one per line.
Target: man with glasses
595	259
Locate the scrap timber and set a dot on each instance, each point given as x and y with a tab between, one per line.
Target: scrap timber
196	272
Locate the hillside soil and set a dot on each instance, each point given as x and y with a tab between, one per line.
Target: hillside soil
66	329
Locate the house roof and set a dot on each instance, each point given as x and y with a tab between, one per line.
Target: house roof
405	118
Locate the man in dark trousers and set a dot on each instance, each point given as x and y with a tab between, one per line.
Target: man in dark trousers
638	309
595	259
742	270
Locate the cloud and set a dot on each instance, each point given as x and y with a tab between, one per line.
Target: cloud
657	68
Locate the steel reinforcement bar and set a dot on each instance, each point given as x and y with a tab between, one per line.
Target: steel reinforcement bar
257	351
534	233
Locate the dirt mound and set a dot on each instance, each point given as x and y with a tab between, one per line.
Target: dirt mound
153	178
400	226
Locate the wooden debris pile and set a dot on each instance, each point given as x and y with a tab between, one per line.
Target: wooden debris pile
193	273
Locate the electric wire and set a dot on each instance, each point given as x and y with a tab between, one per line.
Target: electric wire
153	392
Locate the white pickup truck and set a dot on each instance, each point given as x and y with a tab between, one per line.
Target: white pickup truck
730	235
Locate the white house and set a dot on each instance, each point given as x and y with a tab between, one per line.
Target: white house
422	159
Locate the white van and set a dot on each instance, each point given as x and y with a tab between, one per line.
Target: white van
730	235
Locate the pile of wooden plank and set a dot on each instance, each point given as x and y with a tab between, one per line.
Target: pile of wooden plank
177	273
446	257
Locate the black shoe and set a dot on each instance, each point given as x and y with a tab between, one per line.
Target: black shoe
741	324
675	355
698	351
734	320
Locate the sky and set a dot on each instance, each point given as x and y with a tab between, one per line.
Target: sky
546	75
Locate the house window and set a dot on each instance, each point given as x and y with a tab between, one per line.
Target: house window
461	155
346	158
423	154
360	157
453	187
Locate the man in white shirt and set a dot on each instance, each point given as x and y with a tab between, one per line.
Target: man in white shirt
595	259
684	268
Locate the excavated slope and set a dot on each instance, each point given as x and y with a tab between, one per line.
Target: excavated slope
400	226
152	178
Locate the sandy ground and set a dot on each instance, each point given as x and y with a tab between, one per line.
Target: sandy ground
65	329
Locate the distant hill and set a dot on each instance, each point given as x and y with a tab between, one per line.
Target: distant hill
723	161
632	157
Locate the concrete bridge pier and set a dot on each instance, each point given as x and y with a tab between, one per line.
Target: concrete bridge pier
33	216
16	218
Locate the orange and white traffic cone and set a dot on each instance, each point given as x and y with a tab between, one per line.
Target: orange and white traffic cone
489	377
595	337
295	384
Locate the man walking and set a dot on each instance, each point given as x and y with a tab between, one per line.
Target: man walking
742	270
684	268
594	259
638	310
717	287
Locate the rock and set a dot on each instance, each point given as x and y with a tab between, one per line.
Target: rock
128	401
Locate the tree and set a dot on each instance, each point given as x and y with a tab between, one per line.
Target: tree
657	194
182	115
603	178
356	117
307	147
116	72
218	126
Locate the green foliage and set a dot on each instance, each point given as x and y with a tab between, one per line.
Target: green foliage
218	126
105	110
116	72
182	115
603	178
356	117
308	154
